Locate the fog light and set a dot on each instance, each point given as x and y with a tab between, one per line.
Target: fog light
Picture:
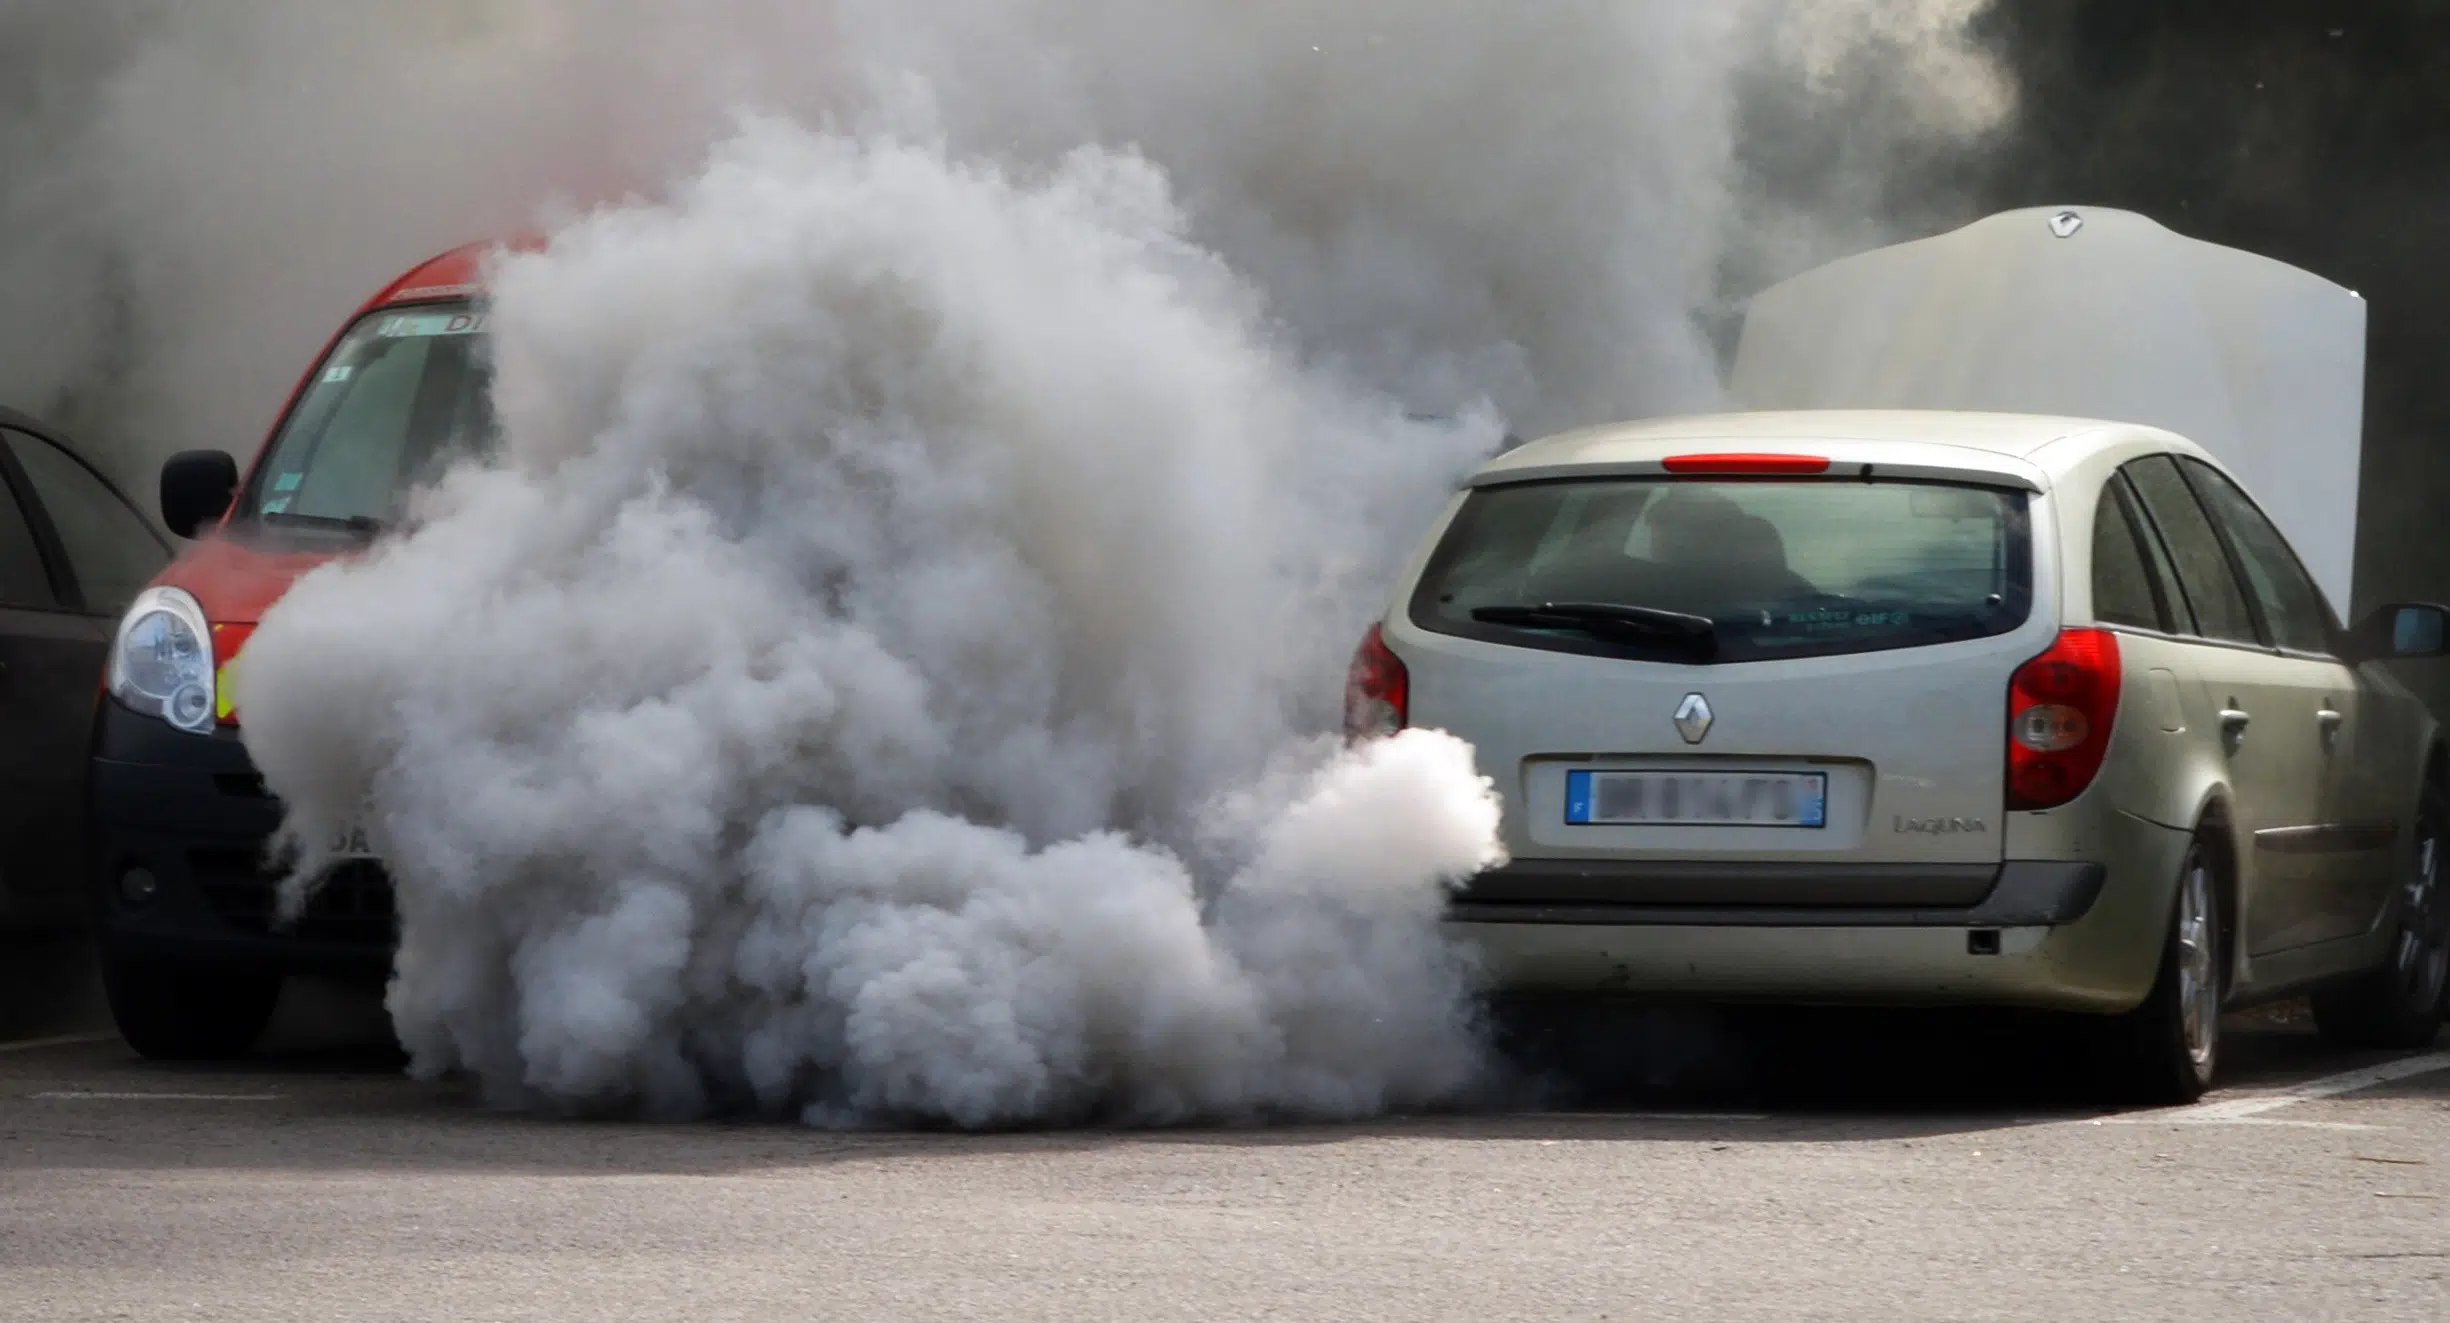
137	886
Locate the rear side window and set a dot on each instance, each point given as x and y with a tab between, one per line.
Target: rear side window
2293	607
2123	589
1641	567
112	552
2204	573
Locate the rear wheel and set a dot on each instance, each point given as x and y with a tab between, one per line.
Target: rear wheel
2401	1004
173	1013
2167	1050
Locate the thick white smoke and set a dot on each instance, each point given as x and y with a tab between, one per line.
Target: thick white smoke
883	676
841	692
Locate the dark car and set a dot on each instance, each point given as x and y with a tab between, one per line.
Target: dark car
73	553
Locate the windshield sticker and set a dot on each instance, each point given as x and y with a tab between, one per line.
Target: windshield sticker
411	325
279	505
339	372
287	482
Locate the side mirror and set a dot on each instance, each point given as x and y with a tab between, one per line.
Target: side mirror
196	489
2404	631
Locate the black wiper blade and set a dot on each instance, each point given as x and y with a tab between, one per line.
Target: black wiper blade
1649	624
366	525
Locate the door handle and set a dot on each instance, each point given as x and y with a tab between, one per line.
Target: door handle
2330	721
2233	723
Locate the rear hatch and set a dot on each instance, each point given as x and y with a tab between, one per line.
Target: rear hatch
1741	660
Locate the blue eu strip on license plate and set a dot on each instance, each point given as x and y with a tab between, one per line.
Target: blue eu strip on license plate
1596	798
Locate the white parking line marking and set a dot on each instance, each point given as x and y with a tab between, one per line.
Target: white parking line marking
2292	1125
64	1040
2246	1110
1583	1114
2148	1118
78	1095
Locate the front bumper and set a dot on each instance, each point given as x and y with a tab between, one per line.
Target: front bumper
192	812
2052	935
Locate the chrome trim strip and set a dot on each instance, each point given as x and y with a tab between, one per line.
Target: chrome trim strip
2328	838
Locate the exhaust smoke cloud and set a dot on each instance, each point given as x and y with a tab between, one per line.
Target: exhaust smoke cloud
881	676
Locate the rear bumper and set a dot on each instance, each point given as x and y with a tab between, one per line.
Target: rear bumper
2055	935
2025	893
191	812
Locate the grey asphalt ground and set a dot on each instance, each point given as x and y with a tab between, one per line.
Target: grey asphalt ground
1897	1168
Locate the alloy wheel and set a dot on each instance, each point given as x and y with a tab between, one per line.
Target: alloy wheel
2198	964
2421	963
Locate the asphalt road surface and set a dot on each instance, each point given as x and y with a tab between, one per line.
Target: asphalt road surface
1891	1168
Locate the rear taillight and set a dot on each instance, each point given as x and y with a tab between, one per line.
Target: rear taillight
2061	706
1377	691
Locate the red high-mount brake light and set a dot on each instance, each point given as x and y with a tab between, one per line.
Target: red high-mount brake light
1746	466
1377	691
2061	706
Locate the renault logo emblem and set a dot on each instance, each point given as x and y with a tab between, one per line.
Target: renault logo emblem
2065	224
1693	718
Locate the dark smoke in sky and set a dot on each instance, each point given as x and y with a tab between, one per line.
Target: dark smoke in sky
2317	131
1536	208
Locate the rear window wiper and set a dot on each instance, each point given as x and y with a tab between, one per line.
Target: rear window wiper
1647	624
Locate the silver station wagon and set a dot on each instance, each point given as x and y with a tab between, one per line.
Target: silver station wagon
1923	707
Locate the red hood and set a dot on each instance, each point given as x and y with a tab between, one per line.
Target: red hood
235	584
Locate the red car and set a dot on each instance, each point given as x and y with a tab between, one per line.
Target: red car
183	886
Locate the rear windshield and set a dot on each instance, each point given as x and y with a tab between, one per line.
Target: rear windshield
406	392
1696	571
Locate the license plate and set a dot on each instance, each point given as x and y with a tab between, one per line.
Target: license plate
1696	799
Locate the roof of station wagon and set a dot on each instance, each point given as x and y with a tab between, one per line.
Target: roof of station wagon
1899	440
1999	433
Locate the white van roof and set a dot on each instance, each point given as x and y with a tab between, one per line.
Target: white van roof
2093	313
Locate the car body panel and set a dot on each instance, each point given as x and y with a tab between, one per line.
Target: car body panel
192	813
2102	963
51	661
236	579
1932	755
2282	772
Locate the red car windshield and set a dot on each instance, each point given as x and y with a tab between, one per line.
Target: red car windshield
405	393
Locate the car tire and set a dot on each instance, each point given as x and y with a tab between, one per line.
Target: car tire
2400	1006
2167	1051
175	1013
